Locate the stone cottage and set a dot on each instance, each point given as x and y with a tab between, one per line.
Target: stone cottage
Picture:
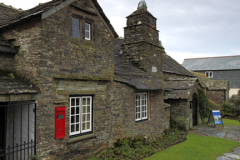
142	48
66	94
216	90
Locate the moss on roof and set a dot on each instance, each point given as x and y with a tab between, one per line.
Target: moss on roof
211	84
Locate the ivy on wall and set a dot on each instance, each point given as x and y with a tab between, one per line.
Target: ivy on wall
203	103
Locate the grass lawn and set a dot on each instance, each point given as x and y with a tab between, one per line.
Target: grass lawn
229	122
196	147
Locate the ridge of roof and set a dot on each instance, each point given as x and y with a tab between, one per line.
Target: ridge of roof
213	57
43	7
27	13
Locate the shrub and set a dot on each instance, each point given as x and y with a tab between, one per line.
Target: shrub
203	103
235	99
213	105
228	109
138	148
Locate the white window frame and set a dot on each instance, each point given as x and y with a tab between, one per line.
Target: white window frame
139	106
88	31
207	73
81	115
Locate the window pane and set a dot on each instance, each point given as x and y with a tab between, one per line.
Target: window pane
87	35
77	118
88	109
88	117
83	126
87	27
143	108
84	101
72	128
88	101
72	110
72	119
83	118
77	110
72	101
75	28
77	127
77	101
78	35
88	125
83	109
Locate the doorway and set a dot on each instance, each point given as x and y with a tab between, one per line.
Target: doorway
17	130
194	109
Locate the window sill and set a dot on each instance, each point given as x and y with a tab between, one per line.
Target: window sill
81	138
141	122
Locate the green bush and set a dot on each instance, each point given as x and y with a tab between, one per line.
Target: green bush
229	110
213	105
203	103
138	148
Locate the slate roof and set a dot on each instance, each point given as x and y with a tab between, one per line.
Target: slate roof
181	84
171	66
211	84
212	63
217	84
10	85
179	94
179	88
127	73
6	12
38	10
5	47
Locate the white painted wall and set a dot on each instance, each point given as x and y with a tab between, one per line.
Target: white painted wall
233	91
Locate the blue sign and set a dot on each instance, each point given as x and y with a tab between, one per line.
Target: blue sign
217	117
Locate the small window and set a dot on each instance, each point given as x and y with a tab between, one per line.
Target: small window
80	118
209	74
75	27
141	108
87	31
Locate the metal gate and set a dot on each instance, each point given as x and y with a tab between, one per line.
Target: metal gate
17	130
194	109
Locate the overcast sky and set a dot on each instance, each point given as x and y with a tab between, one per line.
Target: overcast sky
188	28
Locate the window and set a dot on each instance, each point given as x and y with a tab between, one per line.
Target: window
209	74
80	115
87	31
141	106
75	27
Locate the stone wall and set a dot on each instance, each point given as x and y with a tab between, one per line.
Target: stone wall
181	113
141	26
216	96
48	55
123	110
145	56
81	146
141	43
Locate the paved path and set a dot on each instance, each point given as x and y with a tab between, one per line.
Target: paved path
229	133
